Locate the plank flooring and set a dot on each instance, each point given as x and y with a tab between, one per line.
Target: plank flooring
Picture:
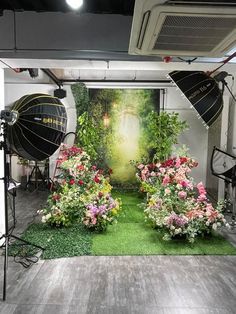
115	284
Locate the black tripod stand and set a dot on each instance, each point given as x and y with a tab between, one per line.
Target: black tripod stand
8	231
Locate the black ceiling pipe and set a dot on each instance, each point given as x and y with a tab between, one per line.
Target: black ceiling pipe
53	77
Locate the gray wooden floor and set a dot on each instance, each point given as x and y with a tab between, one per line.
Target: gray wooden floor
141	284
118	285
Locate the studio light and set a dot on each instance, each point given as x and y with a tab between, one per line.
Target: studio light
74	4
38	128
202	91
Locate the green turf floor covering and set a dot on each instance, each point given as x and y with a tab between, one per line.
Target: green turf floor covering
57	242
130	236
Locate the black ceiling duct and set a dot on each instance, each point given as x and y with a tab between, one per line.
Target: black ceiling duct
202	91
39	126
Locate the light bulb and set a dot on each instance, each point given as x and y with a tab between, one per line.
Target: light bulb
74	4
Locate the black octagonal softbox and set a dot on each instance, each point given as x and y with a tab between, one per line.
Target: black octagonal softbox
39	127
202	92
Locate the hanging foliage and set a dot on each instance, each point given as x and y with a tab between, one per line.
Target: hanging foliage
81	97
92	133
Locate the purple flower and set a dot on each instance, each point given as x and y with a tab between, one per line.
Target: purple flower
177	220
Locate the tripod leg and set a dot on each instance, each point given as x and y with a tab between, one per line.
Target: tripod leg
233	222
27	242
5	270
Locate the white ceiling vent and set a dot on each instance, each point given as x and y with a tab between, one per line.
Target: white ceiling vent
182	30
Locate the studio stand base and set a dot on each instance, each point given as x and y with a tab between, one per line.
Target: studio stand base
8	235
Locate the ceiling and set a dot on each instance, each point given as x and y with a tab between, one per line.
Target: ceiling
48	30
124	7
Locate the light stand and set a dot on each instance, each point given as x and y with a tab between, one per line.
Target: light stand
8	117
223	166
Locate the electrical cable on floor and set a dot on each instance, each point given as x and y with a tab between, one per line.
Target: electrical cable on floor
24	259
23	254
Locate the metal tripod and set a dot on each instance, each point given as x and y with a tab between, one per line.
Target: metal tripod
8	231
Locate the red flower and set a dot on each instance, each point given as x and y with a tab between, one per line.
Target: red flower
96	179
100	194
183	160
94	168
151	167
56	197
72	181
80	182
168	163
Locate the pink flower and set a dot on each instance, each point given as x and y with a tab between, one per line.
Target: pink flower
182	194
162	170
140	166
184	184
202	198
177	163
167	191
165	180
201	188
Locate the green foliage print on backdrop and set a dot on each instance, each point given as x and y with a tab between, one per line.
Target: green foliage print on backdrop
159	133
127	132
92	134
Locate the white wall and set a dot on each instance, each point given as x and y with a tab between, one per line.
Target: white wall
2	203
196	137
13	91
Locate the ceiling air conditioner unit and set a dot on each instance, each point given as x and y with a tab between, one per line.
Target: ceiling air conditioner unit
182	30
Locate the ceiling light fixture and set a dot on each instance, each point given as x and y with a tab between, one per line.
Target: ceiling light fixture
74	4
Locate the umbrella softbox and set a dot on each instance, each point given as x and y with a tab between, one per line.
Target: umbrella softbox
202	92
39	127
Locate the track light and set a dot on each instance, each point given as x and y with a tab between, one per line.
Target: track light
60	93
74	4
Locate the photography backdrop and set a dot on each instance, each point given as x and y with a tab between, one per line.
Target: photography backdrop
122	115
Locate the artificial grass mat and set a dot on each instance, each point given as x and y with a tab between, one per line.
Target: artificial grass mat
130	236
57	242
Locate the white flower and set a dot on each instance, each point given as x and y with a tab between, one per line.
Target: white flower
214	226
177	231
48	216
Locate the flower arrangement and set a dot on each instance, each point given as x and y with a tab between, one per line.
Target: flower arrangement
101	211
175	204
82	188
